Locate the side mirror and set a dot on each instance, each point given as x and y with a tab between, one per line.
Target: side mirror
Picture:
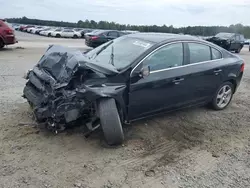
145	71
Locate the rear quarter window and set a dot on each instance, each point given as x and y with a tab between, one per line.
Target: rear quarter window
216	54
199	53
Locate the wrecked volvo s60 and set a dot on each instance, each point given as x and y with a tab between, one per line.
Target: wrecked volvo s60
229	41
129	78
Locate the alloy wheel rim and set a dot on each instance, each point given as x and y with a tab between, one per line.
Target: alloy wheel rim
224	96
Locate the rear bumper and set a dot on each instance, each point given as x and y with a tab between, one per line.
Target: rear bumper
10	39
91	43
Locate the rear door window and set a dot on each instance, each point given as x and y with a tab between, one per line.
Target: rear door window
199	53
113	34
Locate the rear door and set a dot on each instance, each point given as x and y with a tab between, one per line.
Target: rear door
70	33
234	42
205	70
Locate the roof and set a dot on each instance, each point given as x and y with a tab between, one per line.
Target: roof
160	37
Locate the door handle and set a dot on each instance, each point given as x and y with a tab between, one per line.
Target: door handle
217	71
177	80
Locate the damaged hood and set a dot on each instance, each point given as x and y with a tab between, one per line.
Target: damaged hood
218	39
59	64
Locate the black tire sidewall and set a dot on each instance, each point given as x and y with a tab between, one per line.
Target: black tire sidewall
110	122
214	101
1	43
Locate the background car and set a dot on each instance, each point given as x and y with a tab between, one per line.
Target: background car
37	31
67	33
229	41
27	27
48	32
34	29
57	32
7	34
97	38
84	31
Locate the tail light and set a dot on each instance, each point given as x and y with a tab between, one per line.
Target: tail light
94	37
8	31
242	67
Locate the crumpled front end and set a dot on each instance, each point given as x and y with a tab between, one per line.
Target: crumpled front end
54	89
224	43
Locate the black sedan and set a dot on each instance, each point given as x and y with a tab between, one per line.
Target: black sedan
97	38
129	78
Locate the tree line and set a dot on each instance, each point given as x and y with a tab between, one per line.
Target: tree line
192	30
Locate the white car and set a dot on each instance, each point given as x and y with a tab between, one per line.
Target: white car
33	30
48	32
67	33
57	33
29	29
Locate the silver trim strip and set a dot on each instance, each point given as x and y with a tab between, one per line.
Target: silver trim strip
178	66
185	65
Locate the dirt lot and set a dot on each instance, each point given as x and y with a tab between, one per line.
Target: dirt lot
193	148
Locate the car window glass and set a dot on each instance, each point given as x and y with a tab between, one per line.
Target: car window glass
69	30
237	37
199	52
216	54
113	34
166	57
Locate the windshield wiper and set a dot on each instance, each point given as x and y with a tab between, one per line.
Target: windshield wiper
99	51
111	61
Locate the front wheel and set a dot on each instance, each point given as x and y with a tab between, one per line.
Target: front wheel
238	50
223	96
110	122
75	36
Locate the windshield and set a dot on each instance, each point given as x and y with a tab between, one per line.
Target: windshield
125	51
224	35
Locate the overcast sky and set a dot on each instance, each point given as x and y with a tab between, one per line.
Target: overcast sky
144	12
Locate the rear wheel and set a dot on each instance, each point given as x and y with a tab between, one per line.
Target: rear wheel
49	34
223	96
58	36
75	36
238	50
110	122
1	43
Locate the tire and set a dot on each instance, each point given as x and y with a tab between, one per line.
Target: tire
238	50
1	44
49	34
75	36
223	96
58	36
110	122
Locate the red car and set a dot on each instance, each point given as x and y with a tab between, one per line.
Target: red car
7	35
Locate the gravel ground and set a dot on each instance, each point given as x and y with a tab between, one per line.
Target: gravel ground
193	148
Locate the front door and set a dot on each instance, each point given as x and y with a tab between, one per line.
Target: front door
164	88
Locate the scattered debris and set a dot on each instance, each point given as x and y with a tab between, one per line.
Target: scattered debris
150	173
216	155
